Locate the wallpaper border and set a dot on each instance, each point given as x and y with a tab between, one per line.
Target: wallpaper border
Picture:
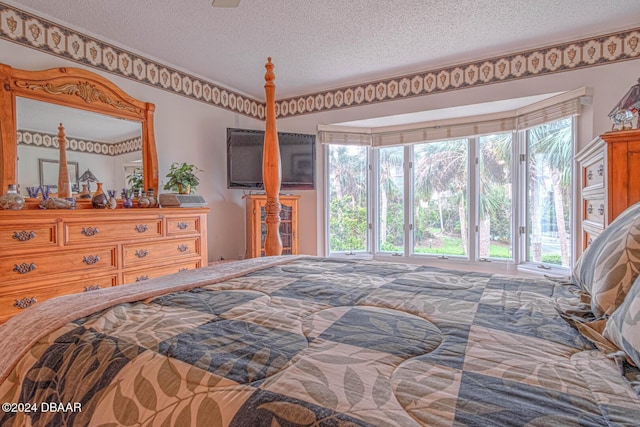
47	140
32	31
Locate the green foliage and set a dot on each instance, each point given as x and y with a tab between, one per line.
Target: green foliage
347	225
136	180
552	259
182	175
443	246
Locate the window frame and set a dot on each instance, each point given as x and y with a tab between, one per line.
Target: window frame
519	235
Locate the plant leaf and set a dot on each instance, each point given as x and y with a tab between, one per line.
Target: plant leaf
292	412
125	409
353	386
145	392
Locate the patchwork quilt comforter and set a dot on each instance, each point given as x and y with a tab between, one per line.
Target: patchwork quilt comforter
312	341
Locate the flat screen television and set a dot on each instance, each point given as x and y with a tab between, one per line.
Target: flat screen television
244	159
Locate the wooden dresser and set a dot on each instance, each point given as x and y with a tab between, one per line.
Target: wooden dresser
44	254
609	180
256	228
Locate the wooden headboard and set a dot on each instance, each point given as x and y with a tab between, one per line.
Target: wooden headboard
271	167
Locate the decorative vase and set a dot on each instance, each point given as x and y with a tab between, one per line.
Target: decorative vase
153	201
12	200
33	192
143	200
99	199
44	190
184	189
126	198
84	194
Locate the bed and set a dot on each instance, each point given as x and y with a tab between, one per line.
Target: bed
295	341
304	341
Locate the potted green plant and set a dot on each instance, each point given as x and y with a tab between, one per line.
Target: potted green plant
182	178
136	182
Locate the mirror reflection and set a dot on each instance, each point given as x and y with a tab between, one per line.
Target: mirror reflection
99	147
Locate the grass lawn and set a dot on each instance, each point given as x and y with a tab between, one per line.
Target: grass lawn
453	246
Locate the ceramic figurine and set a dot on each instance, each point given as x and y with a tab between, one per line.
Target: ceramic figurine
112	203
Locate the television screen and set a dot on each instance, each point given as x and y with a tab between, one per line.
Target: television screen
244	159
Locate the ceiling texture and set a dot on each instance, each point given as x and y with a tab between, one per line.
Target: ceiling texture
323	45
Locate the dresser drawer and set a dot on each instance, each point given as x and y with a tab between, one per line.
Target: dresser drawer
142	274
109	231
34	266
28	236
23	297
151	252
177	226
593	172
594	210
589	237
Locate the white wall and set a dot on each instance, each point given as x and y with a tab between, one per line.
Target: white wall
194	132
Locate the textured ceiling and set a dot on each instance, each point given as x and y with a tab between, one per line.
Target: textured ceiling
320	45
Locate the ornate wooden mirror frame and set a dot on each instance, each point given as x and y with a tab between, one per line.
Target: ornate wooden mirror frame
76	88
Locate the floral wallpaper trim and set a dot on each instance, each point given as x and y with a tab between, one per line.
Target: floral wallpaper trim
35	32
45	140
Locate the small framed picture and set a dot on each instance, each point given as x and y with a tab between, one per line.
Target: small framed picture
49	174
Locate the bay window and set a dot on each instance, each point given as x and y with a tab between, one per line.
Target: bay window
503	195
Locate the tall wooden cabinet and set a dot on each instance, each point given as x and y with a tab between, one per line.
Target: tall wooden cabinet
256	228
609	180
48	253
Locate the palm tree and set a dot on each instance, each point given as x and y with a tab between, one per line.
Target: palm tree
441	167
390	160
348	197
550	151
495	180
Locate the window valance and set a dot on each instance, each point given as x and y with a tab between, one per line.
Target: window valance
555	108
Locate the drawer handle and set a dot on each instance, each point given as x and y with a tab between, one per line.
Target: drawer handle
24	235
90	231
141	278
91	259
24	268
601	210
183	269
25	302
182	225
141	228
183	248
600	169
141	253
590	241
590	208
92	288
590	175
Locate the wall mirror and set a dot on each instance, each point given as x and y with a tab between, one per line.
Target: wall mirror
108	132
109	147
